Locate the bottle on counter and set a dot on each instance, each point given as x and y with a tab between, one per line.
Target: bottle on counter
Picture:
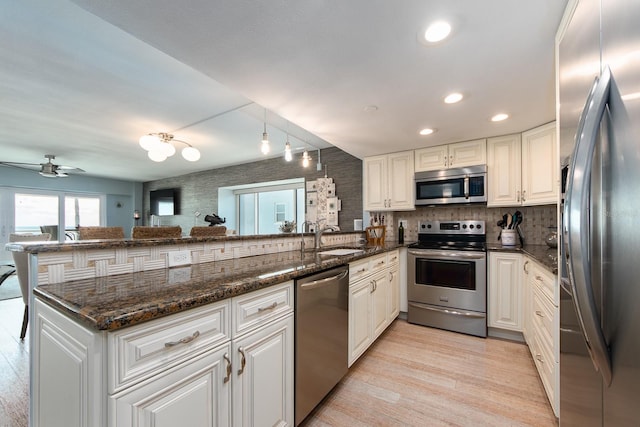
401	234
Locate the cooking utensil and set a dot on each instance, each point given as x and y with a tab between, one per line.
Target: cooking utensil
509	220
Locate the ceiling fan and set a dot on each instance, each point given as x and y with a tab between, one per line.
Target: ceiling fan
48	169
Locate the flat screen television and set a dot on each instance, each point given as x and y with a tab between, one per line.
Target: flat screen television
164	202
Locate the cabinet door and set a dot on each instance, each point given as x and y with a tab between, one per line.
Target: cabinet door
400	181
194	393
263	375
540	166
374	183
503	170
505	291
527	298
468	153
393	304
379	295
359	319
431	158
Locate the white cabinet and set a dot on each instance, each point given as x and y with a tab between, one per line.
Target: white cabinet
503	170
227	363
522	169
540	166
374	296
544	332
505	291
388	182
263	375
460	154
194	391
65	353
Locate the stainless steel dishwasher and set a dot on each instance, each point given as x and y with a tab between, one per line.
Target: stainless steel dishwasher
321	336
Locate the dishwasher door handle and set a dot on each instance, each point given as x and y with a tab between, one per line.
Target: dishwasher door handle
323	282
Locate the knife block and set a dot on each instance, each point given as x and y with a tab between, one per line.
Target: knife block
375	235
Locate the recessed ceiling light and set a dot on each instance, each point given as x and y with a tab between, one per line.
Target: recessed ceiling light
427	131
452	98
499	117
437	31
370	108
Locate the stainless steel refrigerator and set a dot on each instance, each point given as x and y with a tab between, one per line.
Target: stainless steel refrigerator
599	127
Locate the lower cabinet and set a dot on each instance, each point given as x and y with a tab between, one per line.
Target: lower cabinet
228	363
374	300
504	292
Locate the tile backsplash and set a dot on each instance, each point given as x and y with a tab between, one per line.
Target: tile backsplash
535	223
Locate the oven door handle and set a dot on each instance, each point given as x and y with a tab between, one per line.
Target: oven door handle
466	314
447	254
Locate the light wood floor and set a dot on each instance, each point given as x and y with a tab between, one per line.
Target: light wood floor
418	376
14	366
412	376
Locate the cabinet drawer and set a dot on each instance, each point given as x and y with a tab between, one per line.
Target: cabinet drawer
143	350
546	366
257	308
543	317
358	270
545	281
377	263
393	257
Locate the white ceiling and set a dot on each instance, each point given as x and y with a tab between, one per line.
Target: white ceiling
85	86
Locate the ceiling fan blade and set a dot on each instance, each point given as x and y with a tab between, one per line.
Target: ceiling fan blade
18	164
70	168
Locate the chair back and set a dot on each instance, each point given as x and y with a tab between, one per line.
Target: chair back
21	260
51	229
88	233
202	231
161	232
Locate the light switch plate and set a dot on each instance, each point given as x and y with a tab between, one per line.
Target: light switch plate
176	258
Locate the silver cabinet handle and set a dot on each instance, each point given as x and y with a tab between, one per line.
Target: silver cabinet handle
270	307
379	263
524	267
243	360
228	377
524	193
539	278
539	313
518	196
390	276
373	286
539	358
362	270
450	160
576	227
184	340
394	259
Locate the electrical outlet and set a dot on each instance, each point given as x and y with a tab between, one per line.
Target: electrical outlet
403	222
179	258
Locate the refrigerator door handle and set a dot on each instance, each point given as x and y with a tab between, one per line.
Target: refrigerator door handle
576	224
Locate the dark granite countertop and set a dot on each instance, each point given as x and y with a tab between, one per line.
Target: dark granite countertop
114	302
546	256
72	245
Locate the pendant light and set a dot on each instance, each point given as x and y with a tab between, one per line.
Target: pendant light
265	148
287	147
305	159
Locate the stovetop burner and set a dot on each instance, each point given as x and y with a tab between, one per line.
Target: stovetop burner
451	235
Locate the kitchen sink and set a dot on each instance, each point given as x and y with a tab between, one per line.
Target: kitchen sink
341	251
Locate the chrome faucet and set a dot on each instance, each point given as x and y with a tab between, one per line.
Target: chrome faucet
318	235
302	233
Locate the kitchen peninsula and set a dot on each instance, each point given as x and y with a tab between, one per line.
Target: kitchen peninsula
125	334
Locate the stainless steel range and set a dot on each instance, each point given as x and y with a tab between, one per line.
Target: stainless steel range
447	276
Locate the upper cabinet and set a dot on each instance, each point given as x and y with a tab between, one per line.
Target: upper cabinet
522	169
388	182
460	154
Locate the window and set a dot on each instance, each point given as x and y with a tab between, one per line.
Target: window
262	208
35	210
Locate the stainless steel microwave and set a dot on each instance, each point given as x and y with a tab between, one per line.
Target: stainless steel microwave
455	185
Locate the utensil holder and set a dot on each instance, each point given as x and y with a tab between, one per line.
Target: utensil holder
508	237
375	235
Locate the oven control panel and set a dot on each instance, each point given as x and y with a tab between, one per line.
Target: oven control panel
451	227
